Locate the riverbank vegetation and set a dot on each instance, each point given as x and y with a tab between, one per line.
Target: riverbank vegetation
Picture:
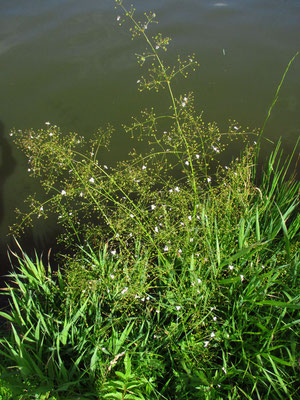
178	278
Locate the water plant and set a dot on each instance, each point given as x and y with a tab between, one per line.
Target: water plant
131	201
179	275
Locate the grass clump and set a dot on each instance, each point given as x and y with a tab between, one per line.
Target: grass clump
179	276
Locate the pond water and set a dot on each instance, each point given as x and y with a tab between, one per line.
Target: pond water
68	62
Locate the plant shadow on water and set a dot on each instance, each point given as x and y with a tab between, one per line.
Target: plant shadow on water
7	167
31	240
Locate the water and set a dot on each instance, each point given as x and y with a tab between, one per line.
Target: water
68	62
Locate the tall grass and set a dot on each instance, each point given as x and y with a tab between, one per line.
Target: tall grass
218	323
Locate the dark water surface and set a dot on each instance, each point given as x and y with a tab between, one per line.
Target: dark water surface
68	62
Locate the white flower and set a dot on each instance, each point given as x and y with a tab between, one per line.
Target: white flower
144	167
41	208
138	81
189	217
230	267
212	334
146	26
153	206
171	190
197	156
242	277
105	166
118	18
185	99
224	370
92	180
208	179
166	248
214	318
191	240
177	189
157	47
206	343
187	163
156	229
113	252
47	123
178	308
131	216
199	280
157	311
124	290
216	149
179	251
236	128
50	134
183	104
63	192
28	169
81	194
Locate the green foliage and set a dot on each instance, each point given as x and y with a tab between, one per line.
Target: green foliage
45	330
5	393
180	275
127	385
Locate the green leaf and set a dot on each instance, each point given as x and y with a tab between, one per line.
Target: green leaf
242	233
94	359
6	316
278	304
257	227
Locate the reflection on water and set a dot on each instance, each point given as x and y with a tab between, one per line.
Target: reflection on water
7	165
69	62
220	4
